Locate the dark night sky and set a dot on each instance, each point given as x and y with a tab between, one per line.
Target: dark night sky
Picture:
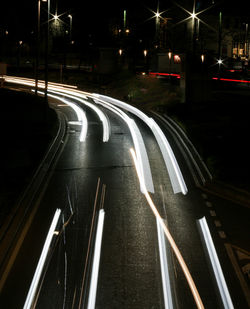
19	17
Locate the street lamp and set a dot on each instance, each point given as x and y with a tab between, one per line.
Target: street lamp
70	27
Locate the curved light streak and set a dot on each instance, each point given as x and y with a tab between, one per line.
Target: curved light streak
79	113
218	273
40	265
175	174
101	115
138	144
31	82
178	255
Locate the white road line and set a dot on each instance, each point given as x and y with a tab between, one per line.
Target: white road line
222	234
217	223
204	196
221	283
40	265
212	213
209	204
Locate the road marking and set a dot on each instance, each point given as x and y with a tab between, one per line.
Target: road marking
212	213
217	223
209	204
222	234
238	272
204	196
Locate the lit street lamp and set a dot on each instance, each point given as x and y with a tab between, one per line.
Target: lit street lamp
70	27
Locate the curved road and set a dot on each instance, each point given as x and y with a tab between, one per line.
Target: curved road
98	174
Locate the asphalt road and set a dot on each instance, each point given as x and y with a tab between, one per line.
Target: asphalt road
130	271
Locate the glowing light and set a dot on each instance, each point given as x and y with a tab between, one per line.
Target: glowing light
120	52
80	115
175	174
145	52
221	283
165	74
101	115
140	148
169	55
219	61
96	261
157	15
202	58
177	59
164	267
56	17
193	15
169	237
41	262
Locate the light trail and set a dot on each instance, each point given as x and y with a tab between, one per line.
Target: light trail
40	265
218	273
175	174
96	261
178	255
79	113
31	82
164	268
135	133
138	144
101	115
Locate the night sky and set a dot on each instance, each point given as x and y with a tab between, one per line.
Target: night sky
94	17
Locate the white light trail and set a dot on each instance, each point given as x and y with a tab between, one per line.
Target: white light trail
38	272
101	115
96	261
31	82
175	174
140	148
79	113
178	255
164	267
218	273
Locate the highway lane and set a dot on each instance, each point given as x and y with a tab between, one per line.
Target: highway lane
127	223
130	269
228	222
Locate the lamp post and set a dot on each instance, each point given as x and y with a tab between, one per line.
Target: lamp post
70	27
47	55
37	45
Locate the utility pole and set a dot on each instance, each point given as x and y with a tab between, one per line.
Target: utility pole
37	47
219	42
47	55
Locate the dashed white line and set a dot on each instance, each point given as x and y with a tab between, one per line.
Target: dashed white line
208	204
217	223
222	234
212	213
